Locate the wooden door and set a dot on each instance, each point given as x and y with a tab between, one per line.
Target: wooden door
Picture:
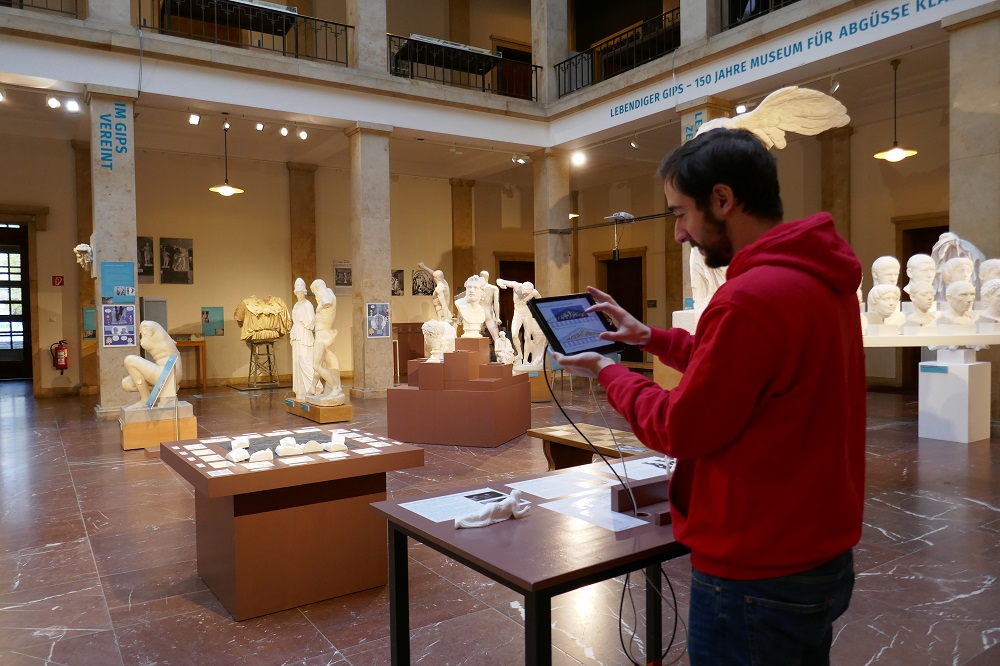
15	310
624	280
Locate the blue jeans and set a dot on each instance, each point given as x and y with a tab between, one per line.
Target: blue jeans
769	622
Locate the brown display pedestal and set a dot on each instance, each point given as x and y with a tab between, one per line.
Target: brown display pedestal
464	401
320	413
539	389
143	428
290	534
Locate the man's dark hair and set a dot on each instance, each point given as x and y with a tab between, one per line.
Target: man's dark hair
732	157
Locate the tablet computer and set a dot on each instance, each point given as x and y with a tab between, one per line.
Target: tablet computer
569	328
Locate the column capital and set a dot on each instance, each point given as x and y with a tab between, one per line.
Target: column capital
300	166
971	16
461	182
368	128
835	133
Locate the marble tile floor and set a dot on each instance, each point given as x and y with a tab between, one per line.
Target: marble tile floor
97	553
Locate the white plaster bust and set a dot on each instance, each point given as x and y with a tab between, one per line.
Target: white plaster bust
144	373
885	270
919	268
988	270
957	269
883	300
471	310
84	255
922	295
961	295
991	301
440	337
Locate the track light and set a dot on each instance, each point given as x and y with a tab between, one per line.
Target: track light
72	106
578	158
194	119
284	131
741	108
260	127
303	134
634	143
520	159
52	102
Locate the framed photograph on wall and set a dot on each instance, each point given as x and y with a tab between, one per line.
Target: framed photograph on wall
423	282
397	282
378	320
144	259
176	261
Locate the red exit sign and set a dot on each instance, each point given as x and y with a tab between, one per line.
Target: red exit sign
58	281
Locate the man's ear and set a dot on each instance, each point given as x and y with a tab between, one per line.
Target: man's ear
724	199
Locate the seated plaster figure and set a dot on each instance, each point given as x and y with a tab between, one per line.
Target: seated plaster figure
919	268
885	270
144	373
961	295
990	317
325	363
883	300
504	349
84	255
440	337
922	295
705	281
472	312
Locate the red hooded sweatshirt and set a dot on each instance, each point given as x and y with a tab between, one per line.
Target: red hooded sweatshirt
768	421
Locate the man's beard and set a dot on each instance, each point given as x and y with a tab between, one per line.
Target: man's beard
716	246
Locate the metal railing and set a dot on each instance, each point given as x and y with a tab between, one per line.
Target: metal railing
64	7
619	53
237	23
458	66
738	12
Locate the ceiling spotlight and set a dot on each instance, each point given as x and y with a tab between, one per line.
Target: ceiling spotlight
634	143
520	159
303	134
741	108
226	125
573	216
834	84
3	94
52	102
194	119
260	127
284	131
72	106
578	158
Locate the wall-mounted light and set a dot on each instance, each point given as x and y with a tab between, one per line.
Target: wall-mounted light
578	158
573	216
226	189
260	127
520	159
72	106
741	108
52	102
3	94
303	134
283	131
194	119
226	125
634	143
894	154
834	84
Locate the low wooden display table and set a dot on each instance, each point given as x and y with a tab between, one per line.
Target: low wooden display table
564	447
298	531
464	401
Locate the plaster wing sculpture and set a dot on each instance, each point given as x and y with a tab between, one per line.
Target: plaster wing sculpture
144	373
84	255
791	109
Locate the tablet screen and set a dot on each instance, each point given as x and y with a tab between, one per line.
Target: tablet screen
565	318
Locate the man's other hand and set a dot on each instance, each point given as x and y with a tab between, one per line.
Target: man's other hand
631	331
585	364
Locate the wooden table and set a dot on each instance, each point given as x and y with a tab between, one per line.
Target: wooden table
290	534
540	556
202	356
564	447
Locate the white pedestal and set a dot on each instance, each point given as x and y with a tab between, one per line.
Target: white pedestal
954	401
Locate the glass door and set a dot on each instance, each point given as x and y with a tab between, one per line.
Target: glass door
15	313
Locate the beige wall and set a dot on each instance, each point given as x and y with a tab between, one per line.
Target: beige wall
426	17
509	19
504	222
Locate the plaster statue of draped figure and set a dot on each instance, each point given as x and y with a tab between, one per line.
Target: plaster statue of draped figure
325	363
301	337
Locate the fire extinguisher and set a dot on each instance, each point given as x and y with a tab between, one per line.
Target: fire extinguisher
60	355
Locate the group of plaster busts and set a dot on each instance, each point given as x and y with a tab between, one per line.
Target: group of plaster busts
315	368
478	307
942	287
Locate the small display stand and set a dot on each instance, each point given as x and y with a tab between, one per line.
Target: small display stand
151	426
539	389
320	413
954	397
464	401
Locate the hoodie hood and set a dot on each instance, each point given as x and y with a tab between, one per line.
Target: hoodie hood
810	245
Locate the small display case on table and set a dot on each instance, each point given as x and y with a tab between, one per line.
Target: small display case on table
297	531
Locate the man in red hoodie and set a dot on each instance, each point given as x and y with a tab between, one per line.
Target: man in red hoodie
768	421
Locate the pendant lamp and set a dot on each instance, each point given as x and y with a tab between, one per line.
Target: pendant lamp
226	189
894	154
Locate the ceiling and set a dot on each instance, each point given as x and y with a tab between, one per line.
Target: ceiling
161	125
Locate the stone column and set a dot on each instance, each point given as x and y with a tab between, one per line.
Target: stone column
693	115
371	254
549	44
111	12
302	220
89	378
835	177
699	20
368	47
459	24
553	255
463	234
112	169
974	142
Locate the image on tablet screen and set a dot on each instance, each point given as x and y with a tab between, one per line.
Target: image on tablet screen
576	329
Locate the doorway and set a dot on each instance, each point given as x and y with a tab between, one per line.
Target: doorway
515	270
15	308
625	280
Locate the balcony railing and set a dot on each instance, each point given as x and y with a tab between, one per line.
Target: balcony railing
619	53
261	25
738	12
64	7
463	66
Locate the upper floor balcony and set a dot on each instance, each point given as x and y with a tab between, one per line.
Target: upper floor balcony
620	52
64	7
738	12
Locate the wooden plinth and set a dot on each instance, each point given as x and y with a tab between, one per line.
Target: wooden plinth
144	434
320	413
539	389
